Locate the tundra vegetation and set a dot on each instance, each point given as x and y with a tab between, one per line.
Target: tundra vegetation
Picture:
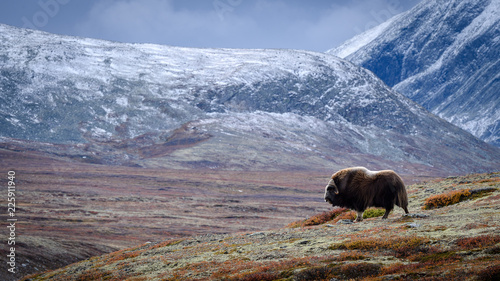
452	241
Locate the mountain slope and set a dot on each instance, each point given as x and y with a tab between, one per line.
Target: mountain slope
443	55
161	106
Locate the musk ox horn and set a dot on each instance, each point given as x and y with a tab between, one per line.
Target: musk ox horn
332	184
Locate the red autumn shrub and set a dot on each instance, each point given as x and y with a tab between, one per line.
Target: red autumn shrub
477	242
450	198
319	218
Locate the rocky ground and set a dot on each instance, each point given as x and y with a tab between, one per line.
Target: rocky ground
452	233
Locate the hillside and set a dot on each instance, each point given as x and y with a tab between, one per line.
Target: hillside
443	55
142	105
441	242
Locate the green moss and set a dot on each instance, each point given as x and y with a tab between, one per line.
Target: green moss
440	256
373	212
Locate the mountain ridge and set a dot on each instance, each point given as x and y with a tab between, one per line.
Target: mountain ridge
443	55
127	104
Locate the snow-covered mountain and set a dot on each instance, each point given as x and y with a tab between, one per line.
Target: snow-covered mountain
442	54
161	106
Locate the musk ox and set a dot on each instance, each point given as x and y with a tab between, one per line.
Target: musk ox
358	188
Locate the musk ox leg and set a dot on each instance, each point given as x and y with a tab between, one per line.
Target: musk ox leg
387	211
360	216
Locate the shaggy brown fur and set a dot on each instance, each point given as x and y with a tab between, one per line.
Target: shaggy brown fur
358	188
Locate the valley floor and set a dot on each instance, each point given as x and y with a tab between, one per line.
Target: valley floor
68	211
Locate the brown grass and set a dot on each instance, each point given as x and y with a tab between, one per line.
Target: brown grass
121	255
450	198
349	215
400	246
167	243
351	256
360	270
477	242
321	273
319	218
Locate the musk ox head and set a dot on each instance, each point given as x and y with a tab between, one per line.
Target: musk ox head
330	191
358	188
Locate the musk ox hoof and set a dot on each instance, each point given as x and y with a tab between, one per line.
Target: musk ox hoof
359	217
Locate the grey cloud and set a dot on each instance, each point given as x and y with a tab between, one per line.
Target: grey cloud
316	25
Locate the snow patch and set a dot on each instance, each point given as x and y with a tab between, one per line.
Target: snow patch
357	42
122	101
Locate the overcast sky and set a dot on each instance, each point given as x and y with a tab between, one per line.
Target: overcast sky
315	25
